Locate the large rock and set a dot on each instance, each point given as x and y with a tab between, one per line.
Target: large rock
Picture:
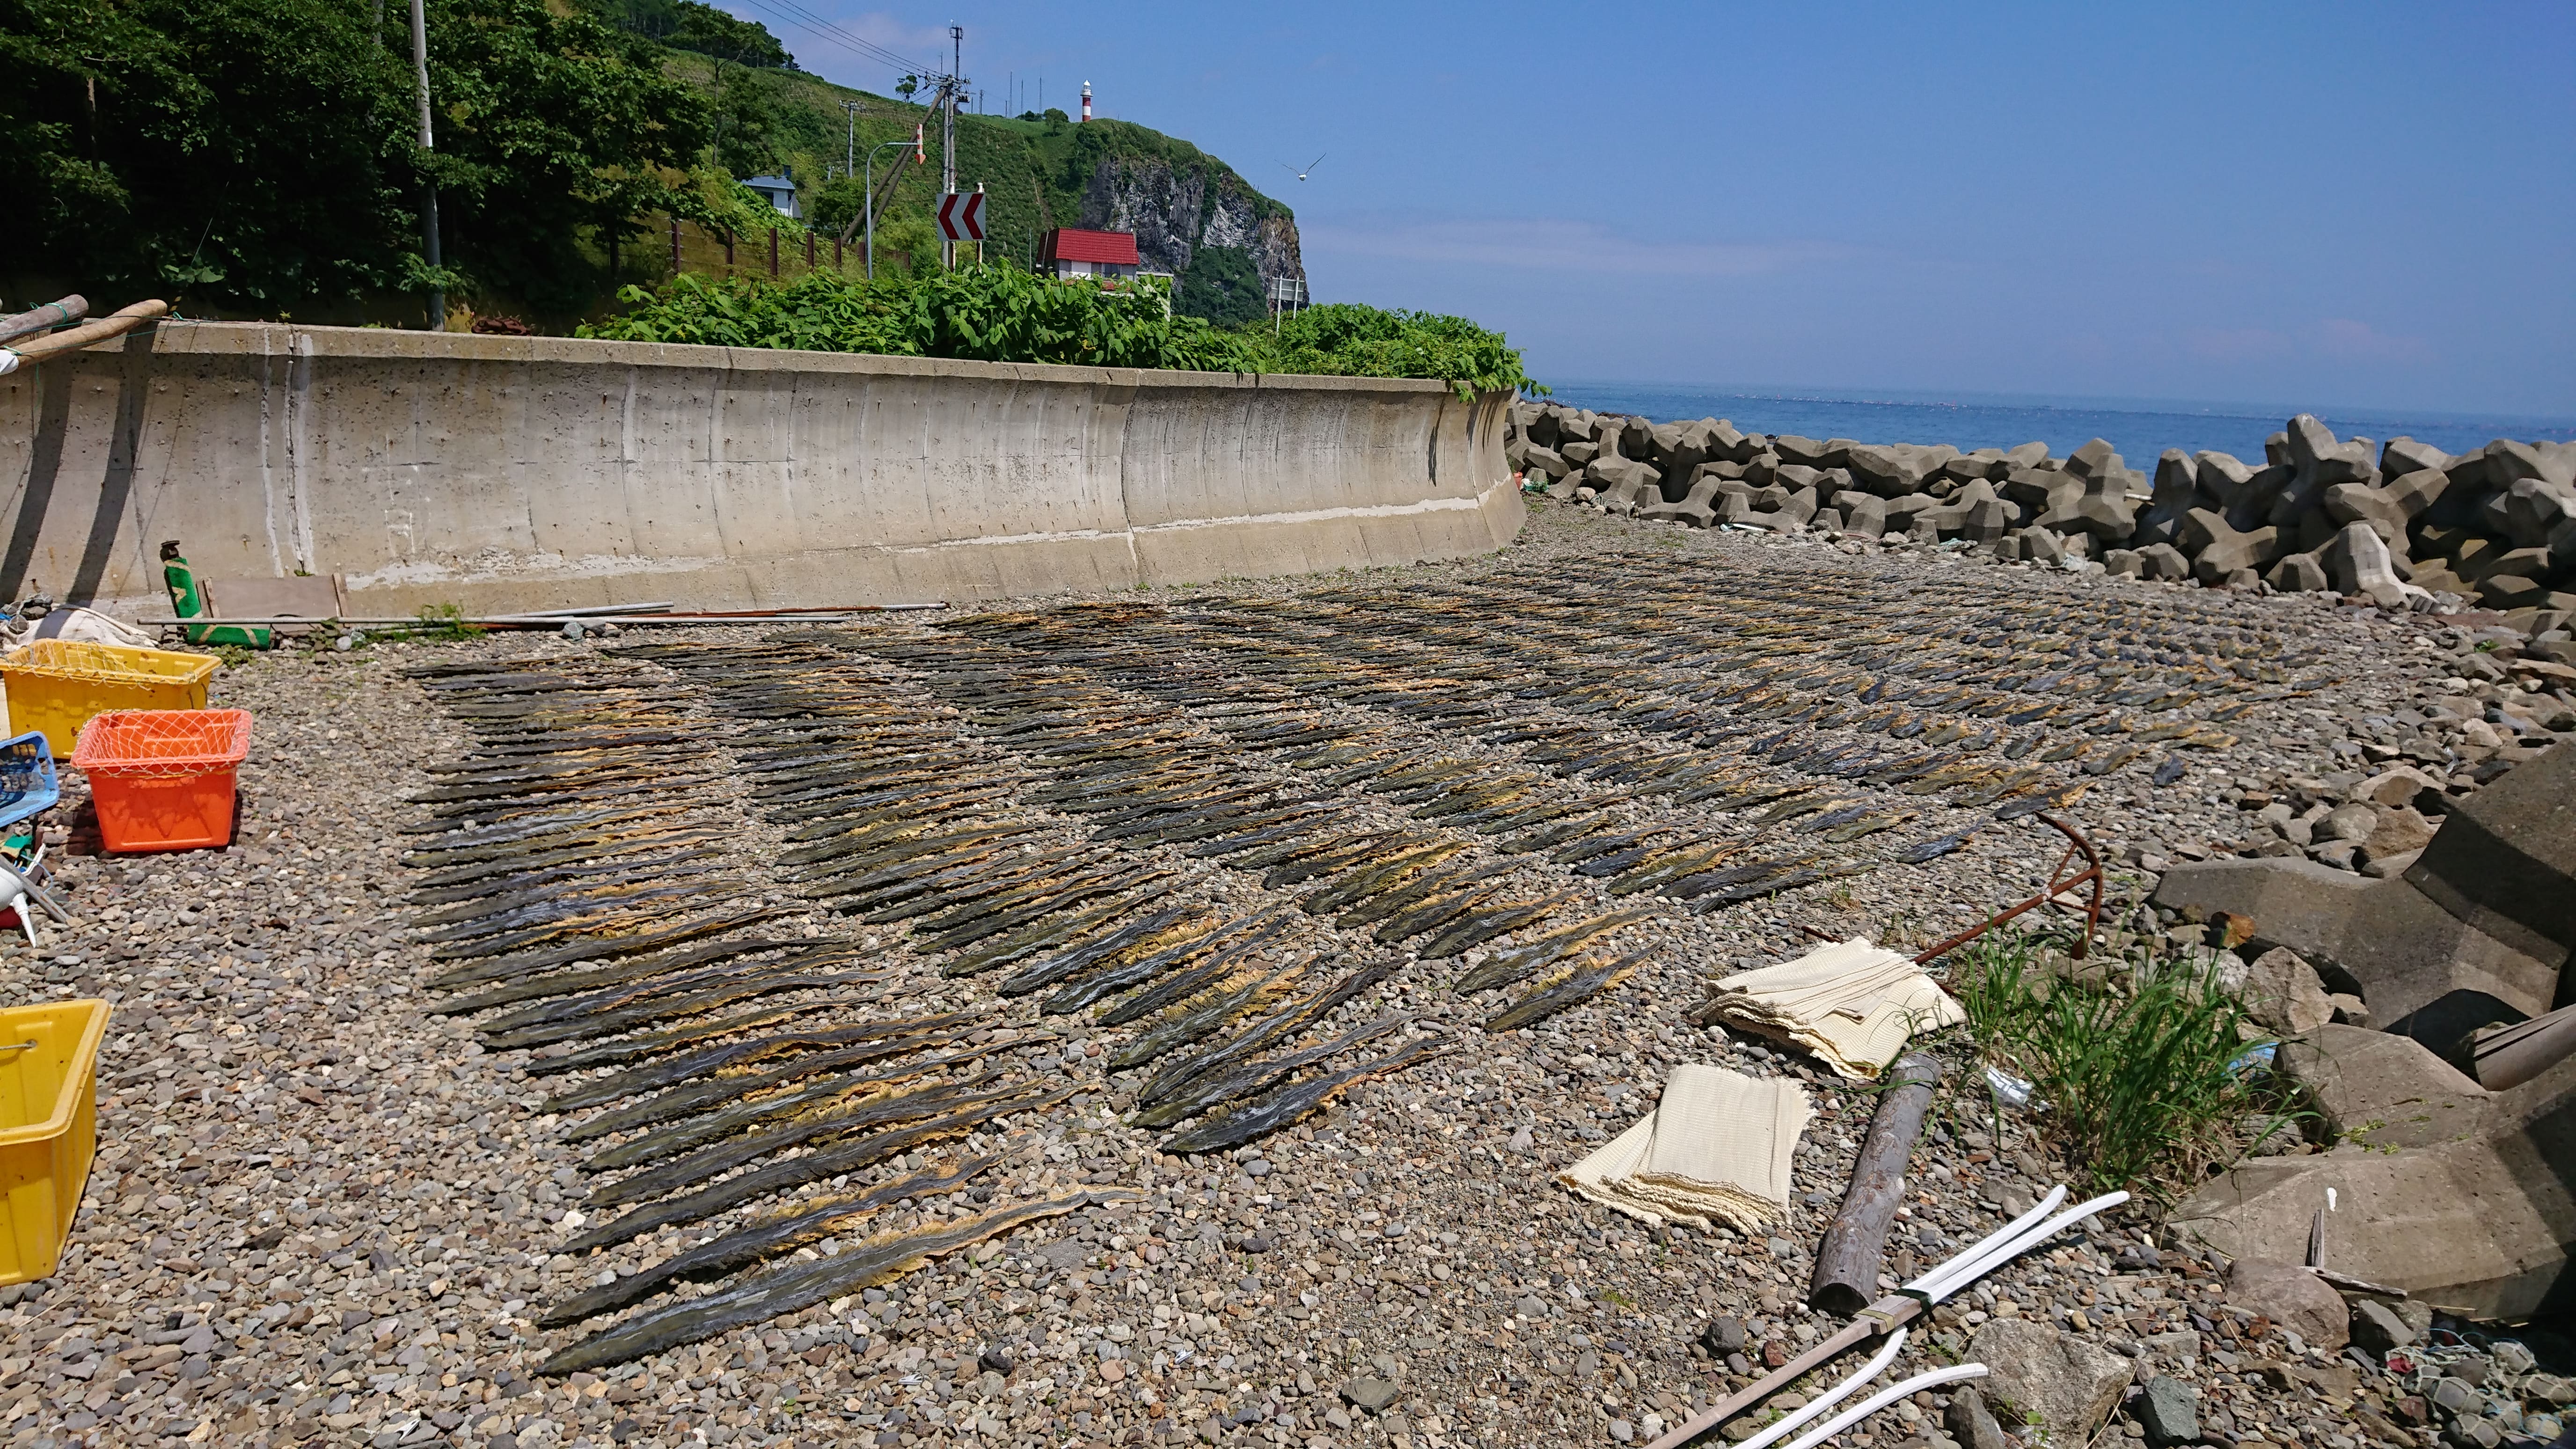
2051	1379
2282	992
2293	1297
2505	859
2384	1090
2424	971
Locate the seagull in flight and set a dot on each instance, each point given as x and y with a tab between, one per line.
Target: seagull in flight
1301	174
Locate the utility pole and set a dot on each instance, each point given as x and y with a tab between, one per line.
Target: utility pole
850	161
948	131
429	196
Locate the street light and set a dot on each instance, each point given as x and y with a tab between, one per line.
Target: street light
868	190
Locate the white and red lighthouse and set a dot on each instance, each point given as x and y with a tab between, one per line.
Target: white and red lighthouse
1086	100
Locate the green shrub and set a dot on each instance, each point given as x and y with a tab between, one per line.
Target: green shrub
1004	314
986	314
2147	1077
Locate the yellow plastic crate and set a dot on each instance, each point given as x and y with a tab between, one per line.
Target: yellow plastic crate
55	685
48	1127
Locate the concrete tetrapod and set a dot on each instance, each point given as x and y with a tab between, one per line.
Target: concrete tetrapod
2480	1227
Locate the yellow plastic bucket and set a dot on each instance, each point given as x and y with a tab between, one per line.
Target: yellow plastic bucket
48	1127
55	685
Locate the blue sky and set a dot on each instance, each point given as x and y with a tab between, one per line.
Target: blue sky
2282	204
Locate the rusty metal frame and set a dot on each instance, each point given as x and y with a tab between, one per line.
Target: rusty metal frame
2058	884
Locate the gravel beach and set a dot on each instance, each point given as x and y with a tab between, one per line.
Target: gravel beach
323	1211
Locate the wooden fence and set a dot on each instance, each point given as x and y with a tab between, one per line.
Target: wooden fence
777	253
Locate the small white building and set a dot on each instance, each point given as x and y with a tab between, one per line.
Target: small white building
780	191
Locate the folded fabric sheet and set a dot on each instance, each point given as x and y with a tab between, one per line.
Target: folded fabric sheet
1718	1147
1852	1004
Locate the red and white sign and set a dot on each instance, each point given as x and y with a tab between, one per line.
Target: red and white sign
961	216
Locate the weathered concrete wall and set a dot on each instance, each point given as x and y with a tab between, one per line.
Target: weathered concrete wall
508	473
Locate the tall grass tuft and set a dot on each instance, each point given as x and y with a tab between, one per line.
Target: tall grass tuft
2144	1070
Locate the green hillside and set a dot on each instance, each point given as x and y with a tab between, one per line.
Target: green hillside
1034	171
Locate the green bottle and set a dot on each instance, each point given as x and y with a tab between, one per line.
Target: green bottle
187	603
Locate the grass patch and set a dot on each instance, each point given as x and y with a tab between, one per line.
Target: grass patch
2143	1065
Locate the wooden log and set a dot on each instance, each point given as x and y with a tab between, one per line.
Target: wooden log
116	323
52	314
1847	1261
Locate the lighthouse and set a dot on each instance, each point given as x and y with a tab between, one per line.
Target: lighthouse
1086	100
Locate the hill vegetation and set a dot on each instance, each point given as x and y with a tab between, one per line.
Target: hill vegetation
258	158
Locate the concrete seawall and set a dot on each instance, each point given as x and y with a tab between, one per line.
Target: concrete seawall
504	473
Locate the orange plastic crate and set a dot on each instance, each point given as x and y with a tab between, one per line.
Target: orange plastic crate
163	779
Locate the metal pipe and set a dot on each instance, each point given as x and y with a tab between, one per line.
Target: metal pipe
535	621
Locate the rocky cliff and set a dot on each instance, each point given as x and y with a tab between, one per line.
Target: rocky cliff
1201	223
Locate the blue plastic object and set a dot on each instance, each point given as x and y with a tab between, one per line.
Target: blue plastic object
27	783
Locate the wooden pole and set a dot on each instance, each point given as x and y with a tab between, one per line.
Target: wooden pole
117	323
52	314
1847	1261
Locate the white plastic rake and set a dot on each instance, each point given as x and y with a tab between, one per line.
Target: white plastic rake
1888	1317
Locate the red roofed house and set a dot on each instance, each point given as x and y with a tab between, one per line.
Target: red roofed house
1072	251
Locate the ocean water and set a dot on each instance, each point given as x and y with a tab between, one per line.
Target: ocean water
2139	429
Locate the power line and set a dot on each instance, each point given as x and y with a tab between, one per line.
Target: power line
791	13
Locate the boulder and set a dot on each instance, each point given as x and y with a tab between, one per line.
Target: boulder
2282	992
2396	831
2382	1090
1970	1422
2293	1297
2168	1412
2399	785
2299	573
2051	1379
2358	563
2124	563
2039	546
2377	1327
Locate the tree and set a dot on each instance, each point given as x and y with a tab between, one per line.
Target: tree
260	155
689	25
251	153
